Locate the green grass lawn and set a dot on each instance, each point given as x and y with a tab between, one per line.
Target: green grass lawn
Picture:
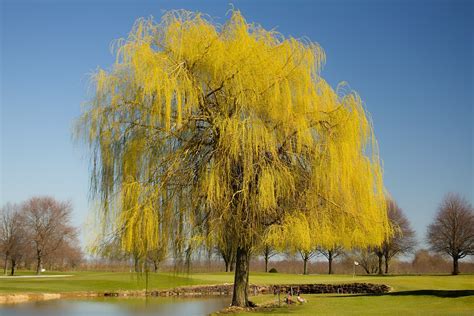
95	281
412	295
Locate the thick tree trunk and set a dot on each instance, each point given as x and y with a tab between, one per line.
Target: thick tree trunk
266	264
330	262
155	266
305	266
380	263
227	263
241	278
455	266
386	265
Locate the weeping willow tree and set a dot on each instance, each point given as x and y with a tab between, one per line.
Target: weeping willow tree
200	129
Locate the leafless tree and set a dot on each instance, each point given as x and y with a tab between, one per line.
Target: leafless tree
227	249
366	259
67	256
331	254
452	231
401	242
13	243
268	252
227	252
47	223
306	256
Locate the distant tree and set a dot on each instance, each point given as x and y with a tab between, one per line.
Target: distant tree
48	225
401	242
227	249
67	256
157	256
307	255
331	254
12	236
367	259
267	252
426	262
452	231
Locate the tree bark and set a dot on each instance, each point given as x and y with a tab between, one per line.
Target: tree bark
330	262
266	263
305	266
226	265
239	297
386	265
455	265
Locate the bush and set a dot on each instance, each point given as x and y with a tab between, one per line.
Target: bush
273	270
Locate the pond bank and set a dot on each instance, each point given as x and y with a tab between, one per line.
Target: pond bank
207	290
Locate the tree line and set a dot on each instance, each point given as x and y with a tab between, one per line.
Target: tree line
450	234
38	233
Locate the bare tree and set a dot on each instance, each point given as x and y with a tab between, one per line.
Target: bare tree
401	242
331	254
227	252
157	256
67	256
12	236
267	252
367	259
306	256
452	231
47	222
227	249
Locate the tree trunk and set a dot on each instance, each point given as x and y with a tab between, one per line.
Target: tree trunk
227	263
155	266
13	266
266	263
380	263
305	266
38	265
455	265
330	262
239	297
386	265
232	264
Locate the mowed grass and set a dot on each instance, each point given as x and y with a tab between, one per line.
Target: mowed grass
411	295
94	282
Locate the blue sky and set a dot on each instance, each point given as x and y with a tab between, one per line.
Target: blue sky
411	62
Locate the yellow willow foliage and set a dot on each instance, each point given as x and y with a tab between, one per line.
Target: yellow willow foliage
200	129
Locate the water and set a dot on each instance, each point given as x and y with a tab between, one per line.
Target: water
118	307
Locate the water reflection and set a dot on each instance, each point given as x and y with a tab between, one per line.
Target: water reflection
119	307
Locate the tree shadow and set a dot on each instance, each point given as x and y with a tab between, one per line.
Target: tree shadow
437	293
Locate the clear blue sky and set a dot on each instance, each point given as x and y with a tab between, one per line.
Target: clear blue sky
411	62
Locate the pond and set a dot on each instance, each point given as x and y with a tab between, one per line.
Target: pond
119	307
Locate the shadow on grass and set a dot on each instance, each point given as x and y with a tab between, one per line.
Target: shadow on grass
437	293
